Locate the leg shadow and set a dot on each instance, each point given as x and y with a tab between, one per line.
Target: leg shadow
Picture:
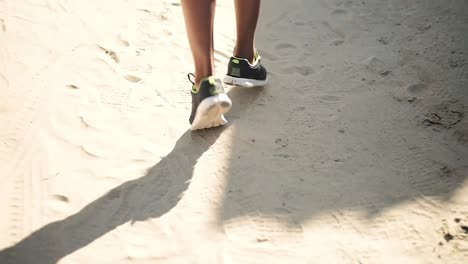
147	197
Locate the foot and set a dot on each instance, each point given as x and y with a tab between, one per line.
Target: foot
209	104
243	73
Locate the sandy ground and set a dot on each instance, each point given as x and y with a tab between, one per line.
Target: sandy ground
355	153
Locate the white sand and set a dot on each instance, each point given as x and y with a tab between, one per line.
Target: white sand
355	153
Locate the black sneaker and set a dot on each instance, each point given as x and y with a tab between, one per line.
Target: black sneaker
209	104
242	73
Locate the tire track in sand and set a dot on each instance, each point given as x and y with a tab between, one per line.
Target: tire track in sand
25	189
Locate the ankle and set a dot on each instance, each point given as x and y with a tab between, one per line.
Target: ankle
245	53
200	77
198	81
204	67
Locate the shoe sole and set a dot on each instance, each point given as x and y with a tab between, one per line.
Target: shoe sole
210	112
246	83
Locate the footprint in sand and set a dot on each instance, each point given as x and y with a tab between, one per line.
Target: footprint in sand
61	198
329	98
337	42
132	78
144	10
375	65
409	93
416	88
342	15
110	53
333	31
339	12
383	40
302	70
72	86
444	115
284	49
123	41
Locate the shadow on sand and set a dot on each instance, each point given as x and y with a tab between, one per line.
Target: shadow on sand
284	164
147	197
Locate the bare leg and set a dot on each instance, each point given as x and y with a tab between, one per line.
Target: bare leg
199	18
247	12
